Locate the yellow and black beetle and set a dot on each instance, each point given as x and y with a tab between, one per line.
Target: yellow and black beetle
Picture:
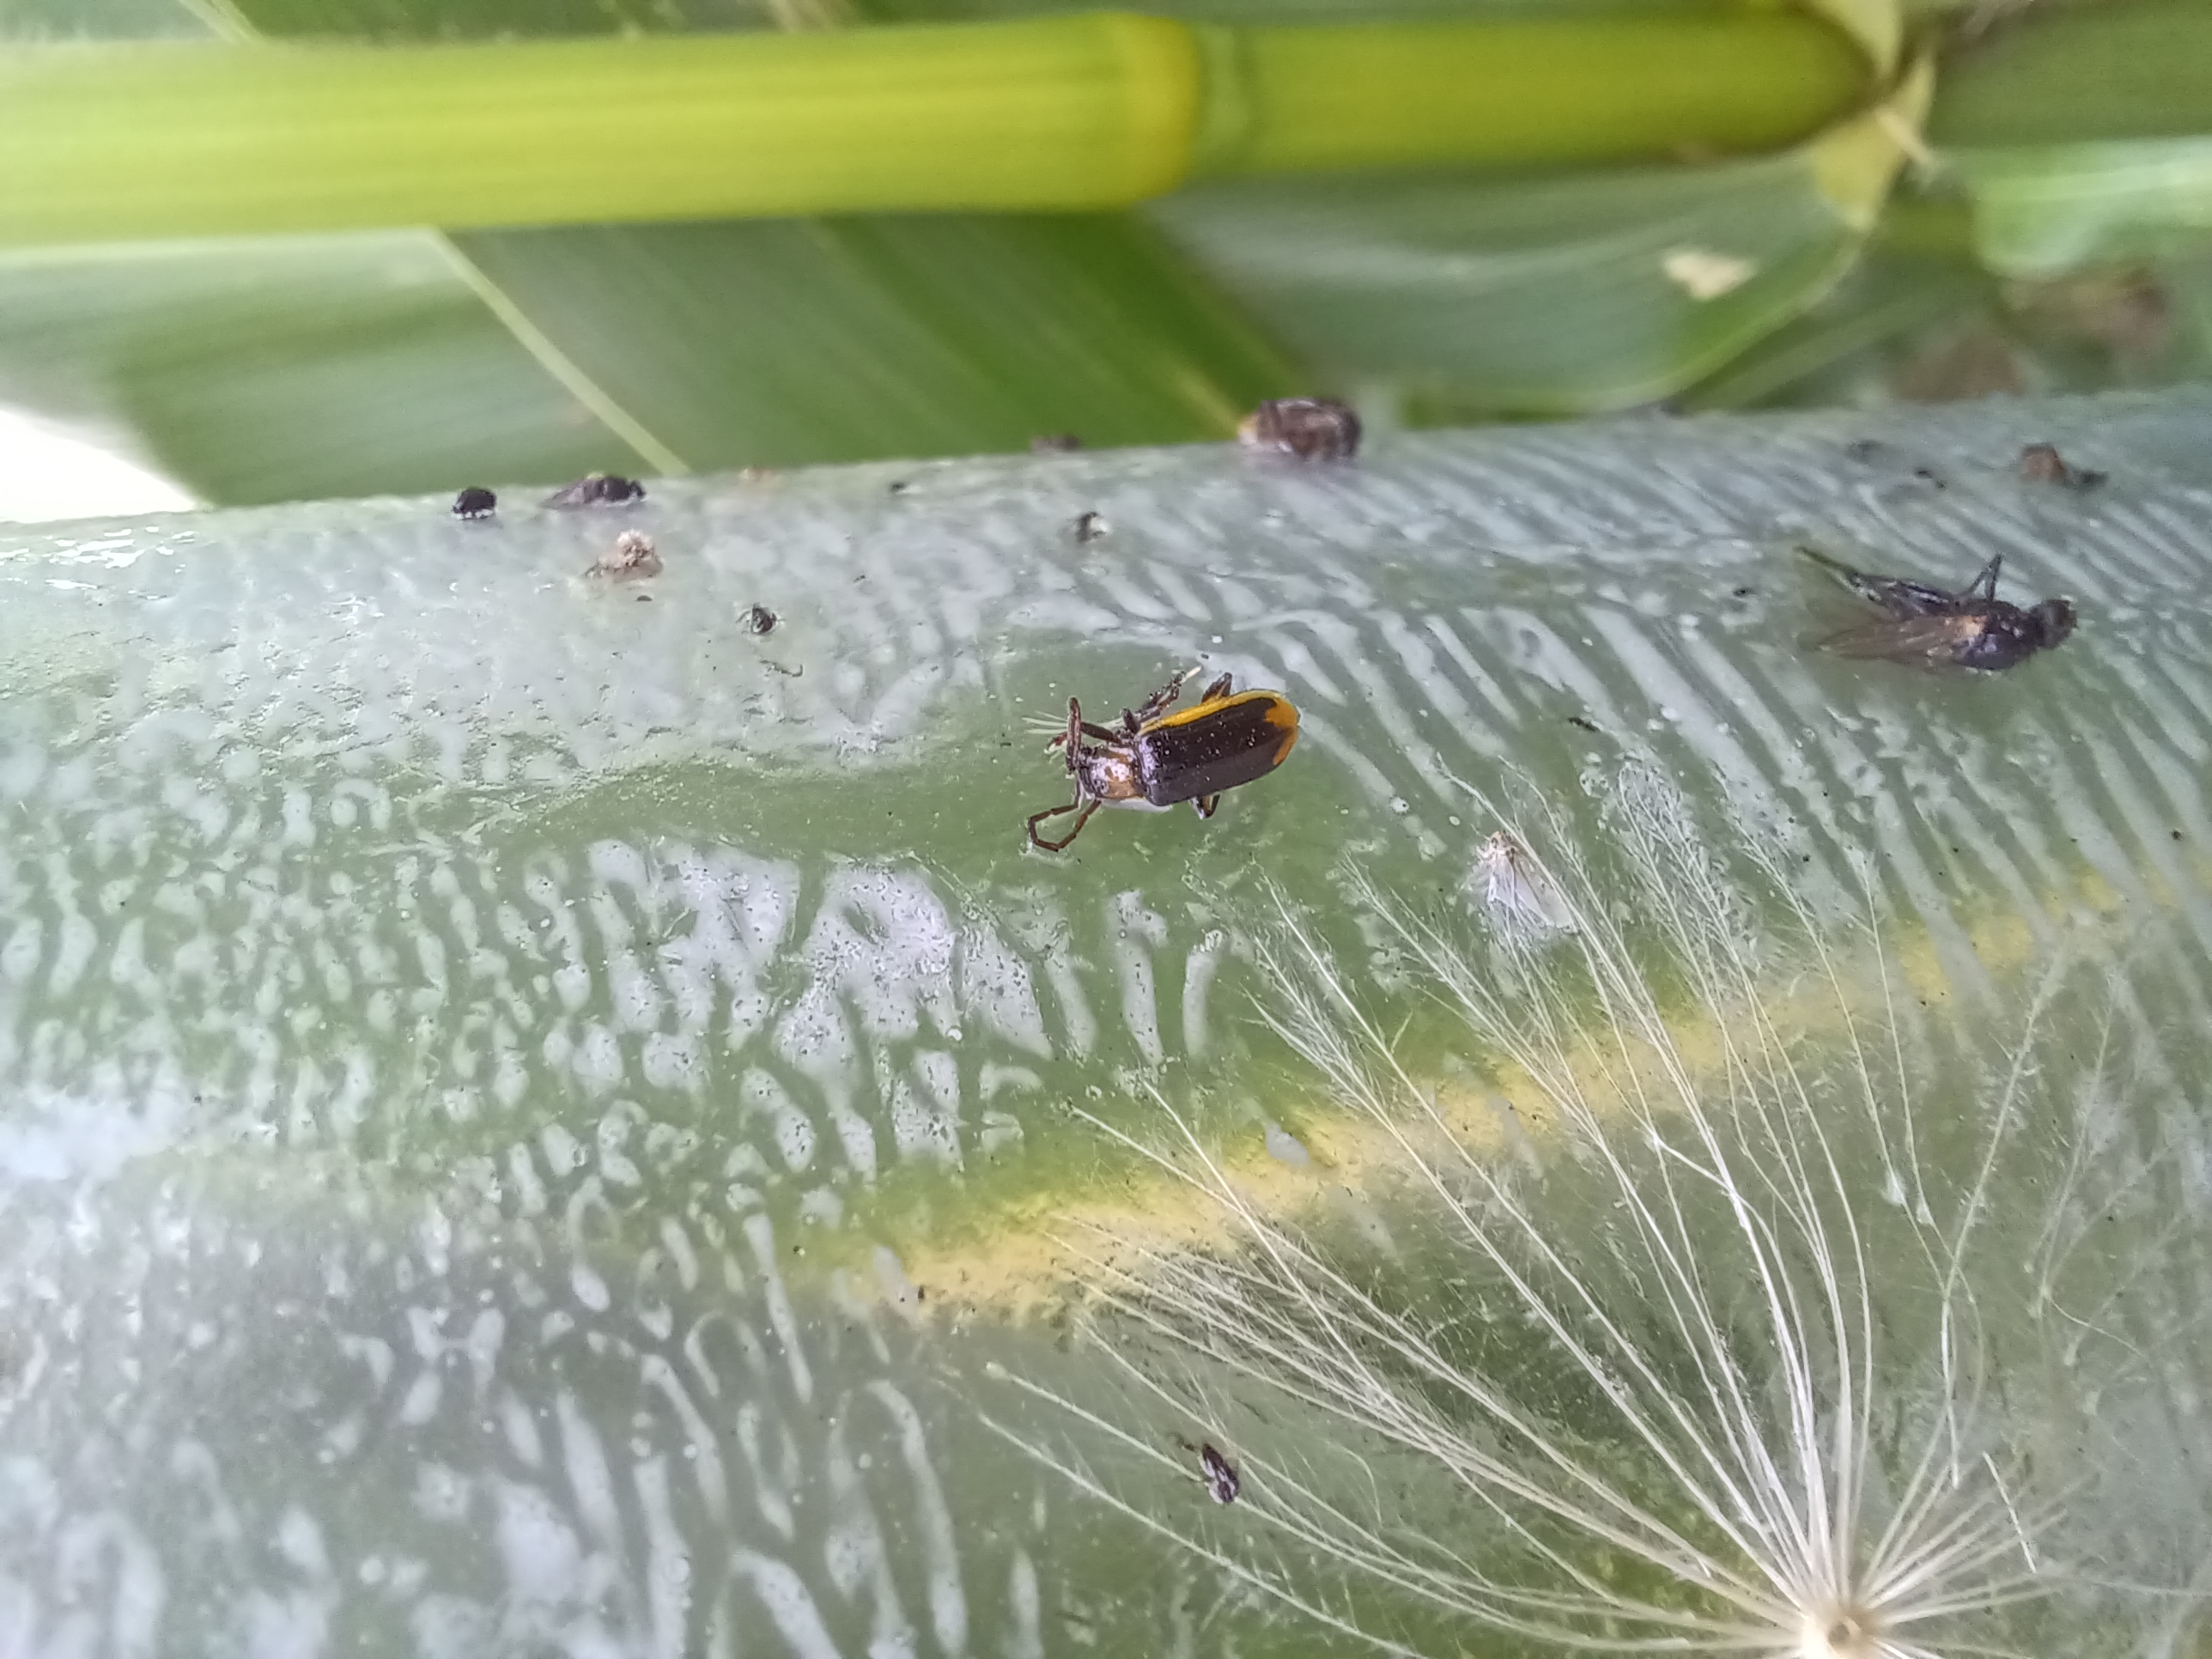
1157	759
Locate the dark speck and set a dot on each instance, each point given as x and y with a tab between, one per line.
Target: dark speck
1928	475
759	619
1586	725
475	502
597	489
1090	526
1745	592
899	486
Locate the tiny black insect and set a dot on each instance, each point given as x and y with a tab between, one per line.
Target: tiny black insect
1934	627
475	502
1156	759
1220	1475
597	489
1310	429
1218	1472
2043	463
759	619
1586	725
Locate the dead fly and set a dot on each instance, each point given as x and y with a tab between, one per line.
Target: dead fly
597	489
1156	759
1217	1471
1090	526
1936	628
1515	890
632	557
1310	429
2043	463
475	502
758	619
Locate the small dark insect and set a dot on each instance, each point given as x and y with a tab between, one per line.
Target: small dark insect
1935	629
1056	443
1311	428
2043	463
1218	1472
900	486
1586	725
597	489
1220	1475
1088	526
475	502
759	619
632	557
1156	759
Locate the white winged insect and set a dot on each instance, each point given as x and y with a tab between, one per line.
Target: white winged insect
1512	885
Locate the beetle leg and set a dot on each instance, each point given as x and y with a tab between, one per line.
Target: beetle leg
1215	692
1067	739
1078	729
1205	805
1161	700
1071	741
1087	806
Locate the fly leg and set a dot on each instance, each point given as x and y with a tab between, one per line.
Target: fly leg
1983	586
1215	692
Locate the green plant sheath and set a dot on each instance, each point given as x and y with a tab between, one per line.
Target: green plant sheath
144	140
2078	75
1323	98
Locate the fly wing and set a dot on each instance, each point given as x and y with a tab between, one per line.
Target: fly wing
1836	571
1924	642
1894	596
1898	596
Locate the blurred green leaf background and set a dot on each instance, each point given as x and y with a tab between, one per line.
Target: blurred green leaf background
2052	230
